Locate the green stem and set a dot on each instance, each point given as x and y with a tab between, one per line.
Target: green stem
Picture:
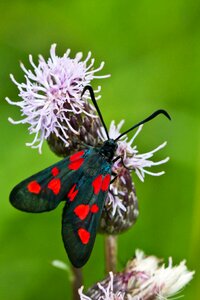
111	253
76	283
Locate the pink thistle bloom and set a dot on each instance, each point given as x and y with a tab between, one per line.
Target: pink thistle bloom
51	92
133	160
144	278
106	291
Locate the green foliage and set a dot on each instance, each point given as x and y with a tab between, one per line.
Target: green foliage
151	48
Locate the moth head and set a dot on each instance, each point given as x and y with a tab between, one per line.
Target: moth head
108	149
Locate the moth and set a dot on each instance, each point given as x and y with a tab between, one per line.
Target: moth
82	181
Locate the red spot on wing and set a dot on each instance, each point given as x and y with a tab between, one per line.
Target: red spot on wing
76	156
72	193
94	208
106	183
82	211
84	235
55	185
34	187
97	182
75	165
55	171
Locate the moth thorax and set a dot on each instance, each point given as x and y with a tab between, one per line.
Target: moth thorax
108	149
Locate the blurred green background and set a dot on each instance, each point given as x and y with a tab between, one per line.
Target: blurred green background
152	50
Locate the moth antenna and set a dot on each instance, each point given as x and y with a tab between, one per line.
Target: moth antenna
152	116
90	89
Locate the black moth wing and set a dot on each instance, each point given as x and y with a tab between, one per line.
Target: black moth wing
81	215
46	189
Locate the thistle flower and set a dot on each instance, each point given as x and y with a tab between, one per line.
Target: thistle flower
105	291
131	158
87	135
51	95
144	278
121	207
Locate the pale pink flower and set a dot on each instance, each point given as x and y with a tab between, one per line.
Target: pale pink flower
51	92
133	160
144	278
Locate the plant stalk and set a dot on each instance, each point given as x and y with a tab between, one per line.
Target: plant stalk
77	282
111	253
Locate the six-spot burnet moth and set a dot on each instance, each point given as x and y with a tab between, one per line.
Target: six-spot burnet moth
81	180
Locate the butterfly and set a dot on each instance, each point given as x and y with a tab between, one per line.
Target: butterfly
82	181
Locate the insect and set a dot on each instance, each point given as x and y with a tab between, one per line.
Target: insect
82	181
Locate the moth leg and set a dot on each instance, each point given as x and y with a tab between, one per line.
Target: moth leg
114	179
121	160
113	173
116	158
119	157
130	169
115	176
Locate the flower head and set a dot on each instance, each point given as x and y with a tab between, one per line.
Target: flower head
104	291
121	208
51	95
130	155
144	278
